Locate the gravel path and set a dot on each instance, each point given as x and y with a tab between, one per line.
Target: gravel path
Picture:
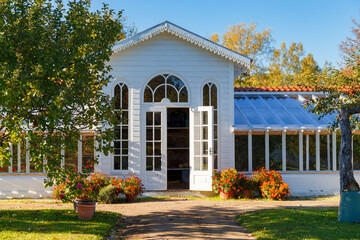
181	218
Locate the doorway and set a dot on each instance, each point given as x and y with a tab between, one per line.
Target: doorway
178	148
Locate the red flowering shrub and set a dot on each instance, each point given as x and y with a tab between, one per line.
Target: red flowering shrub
245	187
263	182
224	181
83	186
270	184
132	186
75	186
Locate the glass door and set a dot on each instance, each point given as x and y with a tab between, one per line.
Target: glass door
154	148
201	148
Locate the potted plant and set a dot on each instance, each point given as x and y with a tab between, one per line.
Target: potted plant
225	182
244	187
132	187
77	189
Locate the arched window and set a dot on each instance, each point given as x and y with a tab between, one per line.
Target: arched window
165	86
121	143
210	99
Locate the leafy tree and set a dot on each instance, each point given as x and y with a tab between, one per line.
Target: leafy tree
52	72
270	66
288	66
247	40
343	98
352	43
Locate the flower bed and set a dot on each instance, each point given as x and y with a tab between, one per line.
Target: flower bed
95	187
265	183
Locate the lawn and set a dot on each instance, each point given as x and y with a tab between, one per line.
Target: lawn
304	223
54	224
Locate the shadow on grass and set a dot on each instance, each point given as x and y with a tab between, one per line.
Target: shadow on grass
54	224
298	223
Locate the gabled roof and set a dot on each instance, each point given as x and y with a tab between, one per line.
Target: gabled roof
185	35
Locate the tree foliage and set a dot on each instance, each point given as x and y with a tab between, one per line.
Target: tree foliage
352	43
52	72
289	65
247	40
342	98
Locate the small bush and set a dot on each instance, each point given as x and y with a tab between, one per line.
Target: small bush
108	194
245	187
224	181
270	184
85	186
263	182
132	186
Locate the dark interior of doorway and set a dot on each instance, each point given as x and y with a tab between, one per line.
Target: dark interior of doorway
178	148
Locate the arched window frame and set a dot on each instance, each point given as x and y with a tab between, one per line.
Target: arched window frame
211	83
166	76
123	153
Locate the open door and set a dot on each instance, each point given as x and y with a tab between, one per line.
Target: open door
201	148
154	147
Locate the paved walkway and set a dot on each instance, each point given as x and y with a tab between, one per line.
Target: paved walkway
184	219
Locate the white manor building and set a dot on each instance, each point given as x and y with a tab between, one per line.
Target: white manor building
184	119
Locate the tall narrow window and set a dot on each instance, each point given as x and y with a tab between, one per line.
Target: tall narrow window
121	143
165	87
210	99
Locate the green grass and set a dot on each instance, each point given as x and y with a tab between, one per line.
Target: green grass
28	200
54	224
304	223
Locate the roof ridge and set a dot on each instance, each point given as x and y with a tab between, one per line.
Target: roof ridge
184	34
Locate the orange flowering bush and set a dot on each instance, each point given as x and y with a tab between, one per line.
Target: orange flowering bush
263	182
270	184
132	186
224	181
245	186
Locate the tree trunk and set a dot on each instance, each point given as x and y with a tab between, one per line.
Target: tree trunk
347	180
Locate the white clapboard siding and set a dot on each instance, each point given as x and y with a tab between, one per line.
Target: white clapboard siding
167	53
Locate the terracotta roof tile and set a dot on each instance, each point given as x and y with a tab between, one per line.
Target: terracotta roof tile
275	89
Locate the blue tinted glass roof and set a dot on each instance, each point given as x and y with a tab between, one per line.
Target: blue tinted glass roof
275	112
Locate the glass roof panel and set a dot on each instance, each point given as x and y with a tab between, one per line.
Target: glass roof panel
257	102
288	114
285	117
243	103
239	119
270	117
272	102
301	116
253	117
287	102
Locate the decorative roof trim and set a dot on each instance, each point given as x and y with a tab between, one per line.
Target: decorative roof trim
185	35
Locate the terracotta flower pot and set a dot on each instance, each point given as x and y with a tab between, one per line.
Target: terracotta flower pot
131	198
86	210
227	195
77	200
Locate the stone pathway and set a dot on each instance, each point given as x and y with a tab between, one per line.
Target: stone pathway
178	218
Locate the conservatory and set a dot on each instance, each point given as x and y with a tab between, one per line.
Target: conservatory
182	118
273	130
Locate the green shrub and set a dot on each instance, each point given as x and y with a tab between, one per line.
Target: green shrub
108	194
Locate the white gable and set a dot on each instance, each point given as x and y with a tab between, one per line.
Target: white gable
193	38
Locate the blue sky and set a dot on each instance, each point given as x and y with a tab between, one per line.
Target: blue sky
319	24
